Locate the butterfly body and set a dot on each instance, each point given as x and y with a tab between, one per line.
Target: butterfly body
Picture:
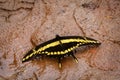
59	47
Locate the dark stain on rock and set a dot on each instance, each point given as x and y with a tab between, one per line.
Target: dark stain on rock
90	5
14	64
4	56
0	63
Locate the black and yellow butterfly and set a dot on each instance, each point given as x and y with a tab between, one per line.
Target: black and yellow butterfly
59	47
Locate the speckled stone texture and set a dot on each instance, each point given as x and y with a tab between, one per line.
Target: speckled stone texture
27	23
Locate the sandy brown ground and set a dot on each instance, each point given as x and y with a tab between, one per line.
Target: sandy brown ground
27	23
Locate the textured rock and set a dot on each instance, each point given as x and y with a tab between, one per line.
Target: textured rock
27	23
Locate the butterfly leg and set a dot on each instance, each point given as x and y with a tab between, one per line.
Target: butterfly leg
59	62
76	60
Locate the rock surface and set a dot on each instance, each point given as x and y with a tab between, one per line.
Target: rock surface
27	23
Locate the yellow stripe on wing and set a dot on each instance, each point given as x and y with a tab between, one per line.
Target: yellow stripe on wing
64	41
